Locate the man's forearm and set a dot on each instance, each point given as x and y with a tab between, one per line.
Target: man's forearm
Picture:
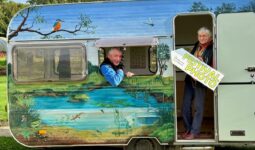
113	77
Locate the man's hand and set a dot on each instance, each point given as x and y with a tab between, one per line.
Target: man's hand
129	74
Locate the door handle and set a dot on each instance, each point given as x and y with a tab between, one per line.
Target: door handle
250	69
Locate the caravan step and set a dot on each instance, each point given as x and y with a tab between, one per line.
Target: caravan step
197	148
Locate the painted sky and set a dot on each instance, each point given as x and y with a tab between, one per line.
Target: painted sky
114	19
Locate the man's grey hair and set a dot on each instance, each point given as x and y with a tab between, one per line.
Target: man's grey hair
112	49
204	30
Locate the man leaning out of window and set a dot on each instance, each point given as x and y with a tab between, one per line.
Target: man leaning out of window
112	68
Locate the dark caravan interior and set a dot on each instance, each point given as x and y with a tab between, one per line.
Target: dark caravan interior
141	60
186	27
139	53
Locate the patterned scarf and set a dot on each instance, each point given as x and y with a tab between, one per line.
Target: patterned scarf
201	49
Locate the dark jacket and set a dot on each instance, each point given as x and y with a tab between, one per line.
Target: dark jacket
207	55
108	62
113	74
208	59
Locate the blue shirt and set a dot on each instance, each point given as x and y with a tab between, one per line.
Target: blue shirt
112	76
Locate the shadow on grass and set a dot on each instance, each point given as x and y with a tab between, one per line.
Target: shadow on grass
8	143
234	148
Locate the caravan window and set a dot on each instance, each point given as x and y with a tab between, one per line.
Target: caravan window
138	58
141	60
101	55
49	63
153	65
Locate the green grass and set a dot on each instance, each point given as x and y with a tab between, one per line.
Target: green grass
234	148
8	143
3	98
2	63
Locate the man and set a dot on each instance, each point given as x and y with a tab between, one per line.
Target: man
112	68
203	50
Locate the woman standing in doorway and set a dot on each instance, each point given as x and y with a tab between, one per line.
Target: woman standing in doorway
194	90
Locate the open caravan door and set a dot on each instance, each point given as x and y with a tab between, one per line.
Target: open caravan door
236	92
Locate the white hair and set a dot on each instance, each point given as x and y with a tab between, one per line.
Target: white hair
205	30
114	49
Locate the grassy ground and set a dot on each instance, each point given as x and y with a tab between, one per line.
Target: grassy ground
3	98
8	143
2	62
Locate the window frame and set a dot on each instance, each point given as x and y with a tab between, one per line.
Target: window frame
103	50
149	61
47	45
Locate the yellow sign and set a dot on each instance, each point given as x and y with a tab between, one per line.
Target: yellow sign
196	68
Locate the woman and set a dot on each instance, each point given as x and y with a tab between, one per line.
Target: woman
203	50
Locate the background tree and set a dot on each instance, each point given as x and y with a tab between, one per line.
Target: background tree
250	7
198	6
225	8
37	2
163	56
2	1
7	10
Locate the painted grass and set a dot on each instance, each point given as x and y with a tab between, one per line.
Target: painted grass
3	98
154	83
140	82
58	135
92	79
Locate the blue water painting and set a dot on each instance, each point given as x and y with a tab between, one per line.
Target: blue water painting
92	115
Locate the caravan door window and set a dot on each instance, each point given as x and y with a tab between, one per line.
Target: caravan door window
33	63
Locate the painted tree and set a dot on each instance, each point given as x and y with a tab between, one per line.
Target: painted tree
117	120
92	68
163	56
198	6
225	8
84	25
250	7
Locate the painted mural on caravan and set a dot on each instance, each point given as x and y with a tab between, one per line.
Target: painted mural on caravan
57	95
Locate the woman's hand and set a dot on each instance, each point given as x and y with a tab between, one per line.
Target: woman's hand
200	58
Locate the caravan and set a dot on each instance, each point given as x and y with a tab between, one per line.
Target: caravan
57	96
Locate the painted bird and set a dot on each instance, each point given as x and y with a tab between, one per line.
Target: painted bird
149	22
57	25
